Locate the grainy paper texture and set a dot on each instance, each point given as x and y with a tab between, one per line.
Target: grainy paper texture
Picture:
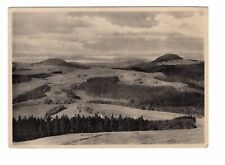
108	77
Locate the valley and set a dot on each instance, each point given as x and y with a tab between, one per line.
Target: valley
164	89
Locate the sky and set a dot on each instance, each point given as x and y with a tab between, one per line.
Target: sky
105	36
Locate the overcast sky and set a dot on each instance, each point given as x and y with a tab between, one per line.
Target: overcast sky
99	36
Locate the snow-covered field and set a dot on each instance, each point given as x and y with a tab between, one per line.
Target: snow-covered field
90	109
37	108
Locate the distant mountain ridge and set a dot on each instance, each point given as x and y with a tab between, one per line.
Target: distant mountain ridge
61	62
175	69
167	57
54	61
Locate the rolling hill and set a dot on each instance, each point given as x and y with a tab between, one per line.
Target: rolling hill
165	88
60	62
167	57
176	69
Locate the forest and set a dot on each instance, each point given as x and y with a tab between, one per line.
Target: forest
33	128
147	97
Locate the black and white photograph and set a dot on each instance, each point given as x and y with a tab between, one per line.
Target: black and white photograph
108	77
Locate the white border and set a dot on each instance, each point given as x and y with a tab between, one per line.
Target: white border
213	154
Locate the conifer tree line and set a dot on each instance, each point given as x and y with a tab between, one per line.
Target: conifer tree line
33	128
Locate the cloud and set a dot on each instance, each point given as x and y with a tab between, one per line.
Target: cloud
30	23
45	44
73	35
189	26
133	45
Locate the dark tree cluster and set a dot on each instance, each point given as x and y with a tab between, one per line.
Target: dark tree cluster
36	93
146	97
20	78
33	128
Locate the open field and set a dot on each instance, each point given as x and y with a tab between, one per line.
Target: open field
90	109
59	82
